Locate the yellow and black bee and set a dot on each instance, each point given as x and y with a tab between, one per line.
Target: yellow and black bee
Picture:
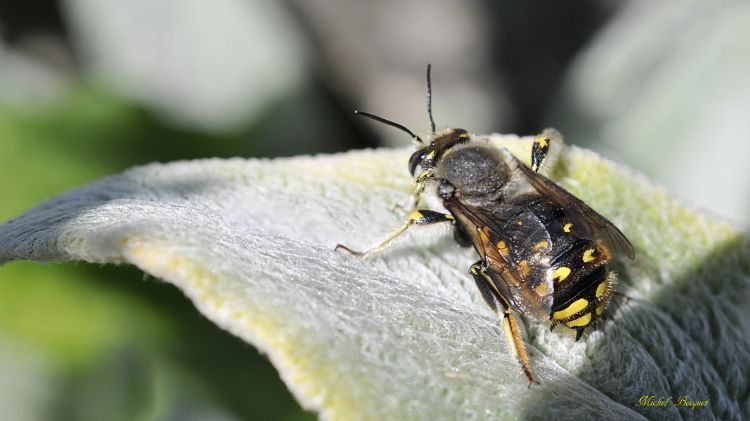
543	252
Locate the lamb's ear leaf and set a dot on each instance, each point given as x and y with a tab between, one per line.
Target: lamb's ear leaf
251	242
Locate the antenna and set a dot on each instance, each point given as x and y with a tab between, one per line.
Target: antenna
389	123
429	98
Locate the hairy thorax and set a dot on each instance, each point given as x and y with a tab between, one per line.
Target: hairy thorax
474	170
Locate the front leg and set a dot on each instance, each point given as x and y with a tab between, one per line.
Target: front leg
417	217
545	151
417	187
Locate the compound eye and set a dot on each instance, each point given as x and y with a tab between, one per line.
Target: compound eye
416	158
445	190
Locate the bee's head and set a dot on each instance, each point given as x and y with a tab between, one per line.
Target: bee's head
429	155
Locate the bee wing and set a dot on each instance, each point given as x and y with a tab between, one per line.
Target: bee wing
493	238
586	222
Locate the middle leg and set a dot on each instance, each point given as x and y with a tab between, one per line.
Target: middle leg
417	217
510	326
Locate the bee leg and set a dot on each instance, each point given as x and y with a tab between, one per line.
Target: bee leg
417	188
545	151
417	217
460	236
477	272
579	332
510	327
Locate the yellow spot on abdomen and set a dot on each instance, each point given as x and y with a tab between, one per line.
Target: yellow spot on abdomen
570	310
588	255
600	309
581	321
561	273
600	289
541	245
567	227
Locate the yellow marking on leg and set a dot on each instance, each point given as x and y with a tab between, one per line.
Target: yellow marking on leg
517	347
570	310
567	227
581	321
542	141
541	245
414	216
418	182
424	174
561	273
588	255
491	282
417	186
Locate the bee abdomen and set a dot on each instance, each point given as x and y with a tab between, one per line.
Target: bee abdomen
571	252
582	305
582	283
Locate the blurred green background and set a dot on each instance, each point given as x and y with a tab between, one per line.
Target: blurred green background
89	88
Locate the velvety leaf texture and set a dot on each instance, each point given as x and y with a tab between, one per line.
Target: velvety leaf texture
406	335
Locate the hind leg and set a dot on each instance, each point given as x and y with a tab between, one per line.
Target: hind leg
510	326
545	151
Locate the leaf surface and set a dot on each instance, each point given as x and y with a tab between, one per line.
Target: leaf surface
406	336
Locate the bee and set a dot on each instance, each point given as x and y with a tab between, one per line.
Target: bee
543	252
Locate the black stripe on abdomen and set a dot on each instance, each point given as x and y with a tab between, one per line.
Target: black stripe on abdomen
568	292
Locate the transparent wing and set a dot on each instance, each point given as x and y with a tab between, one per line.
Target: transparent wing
587	223
494	234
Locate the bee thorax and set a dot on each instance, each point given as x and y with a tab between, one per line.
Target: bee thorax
473	170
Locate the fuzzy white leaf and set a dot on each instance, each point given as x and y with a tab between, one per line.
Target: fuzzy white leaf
407	336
